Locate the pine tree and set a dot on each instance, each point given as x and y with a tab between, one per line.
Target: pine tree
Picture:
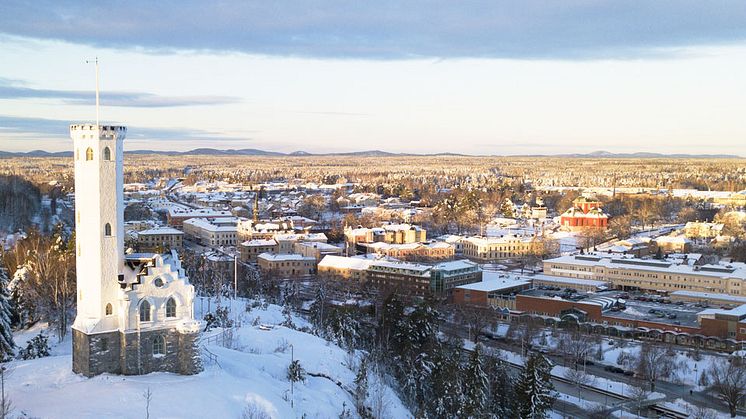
446	379
502	391
477	390
7	346
535	392
361	390
317	307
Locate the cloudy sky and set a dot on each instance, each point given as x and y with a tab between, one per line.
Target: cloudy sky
478	77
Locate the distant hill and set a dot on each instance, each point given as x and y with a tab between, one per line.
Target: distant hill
36	153
376	153
638	155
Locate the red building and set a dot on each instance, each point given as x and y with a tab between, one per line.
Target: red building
584	213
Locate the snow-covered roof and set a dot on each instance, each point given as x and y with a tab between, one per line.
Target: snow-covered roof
259	242
159	230
709	296
455	265
283	257
565	280
668	266
205	224
341	262
493	285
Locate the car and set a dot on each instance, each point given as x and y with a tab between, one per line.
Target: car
629	373
652	311
671	316
679	303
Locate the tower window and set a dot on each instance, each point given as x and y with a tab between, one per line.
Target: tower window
171	307
145	311
109	309
159	345
89	154
107	229
107	153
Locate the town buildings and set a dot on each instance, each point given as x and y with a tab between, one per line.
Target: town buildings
212	232
583	214
653	275
286	265
389	233
159	239
493	249
177	215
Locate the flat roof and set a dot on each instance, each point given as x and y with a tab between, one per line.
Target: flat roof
566	280
341	262
159	230
710	296
492	285
667	266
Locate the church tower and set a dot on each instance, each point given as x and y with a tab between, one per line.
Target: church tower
135	311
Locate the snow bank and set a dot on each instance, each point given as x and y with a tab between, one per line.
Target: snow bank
254	373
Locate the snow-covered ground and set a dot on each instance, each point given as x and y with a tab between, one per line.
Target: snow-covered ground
686	371
252	374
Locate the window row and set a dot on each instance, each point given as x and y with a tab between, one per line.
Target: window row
146	309
89	154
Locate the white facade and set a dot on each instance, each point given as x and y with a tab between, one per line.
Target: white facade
99	217
112	286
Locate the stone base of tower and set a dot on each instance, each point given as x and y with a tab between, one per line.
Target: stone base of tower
132	353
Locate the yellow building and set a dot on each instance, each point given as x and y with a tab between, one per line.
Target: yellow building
651	275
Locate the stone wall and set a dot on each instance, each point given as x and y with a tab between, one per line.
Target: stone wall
96	354
132	353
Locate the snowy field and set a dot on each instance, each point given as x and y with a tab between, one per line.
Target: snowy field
252	374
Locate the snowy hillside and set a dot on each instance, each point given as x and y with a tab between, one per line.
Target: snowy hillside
251	376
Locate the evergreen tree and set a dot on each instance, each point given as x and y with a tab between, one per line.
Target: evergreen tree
392	313
446	378
37	347
296	372
534	391
317	307
7	346
502	394
361	390
476	386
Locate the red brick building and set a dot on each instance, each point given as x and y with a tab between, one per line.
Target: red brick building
584	213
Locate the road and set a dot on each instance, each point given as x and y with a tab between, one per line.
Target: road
672	391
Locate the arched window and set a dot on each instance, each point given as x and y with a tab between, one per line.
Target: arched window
109	309
89	154
159	345
145	311
107	153
171	308
107	229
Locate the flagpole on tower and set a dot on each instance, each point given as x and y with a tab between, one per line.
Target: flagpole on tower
97	113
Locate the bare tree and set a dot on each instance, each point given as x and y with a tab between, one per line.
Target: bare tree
728	378
148	396
6	406
574	345
654	363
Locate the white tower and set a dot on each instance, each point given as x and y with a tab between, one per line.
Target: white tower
135	312
99	221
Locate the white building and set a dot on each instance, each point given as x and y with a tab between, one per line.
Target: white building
134	314
212	231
